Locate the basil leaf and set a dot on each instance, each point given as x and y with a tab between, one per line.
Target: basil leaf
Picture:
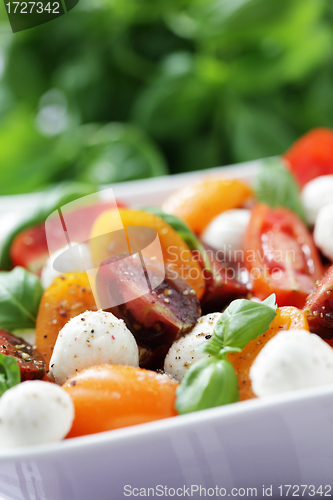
243	321
277	187
183	230
20	294
208	383
54	198
10	374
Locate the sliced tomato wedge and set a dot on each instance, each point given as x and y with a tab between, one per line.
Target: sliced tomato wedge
29	248
281	256
319	308
311	156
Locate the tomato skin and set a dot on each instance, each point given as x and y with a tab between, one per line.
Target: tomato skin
29	248
30	362
286	318
271	235
311	156
68	296
199	202
319	308
108	397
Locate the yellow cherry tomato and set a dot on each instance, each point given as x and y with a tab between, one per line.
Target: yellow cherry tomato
198	203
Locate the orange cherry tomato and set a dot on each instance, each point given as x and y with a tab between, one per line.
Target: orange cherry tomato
175	251
285	319
197	204
108	397
281	256
69	295
312	155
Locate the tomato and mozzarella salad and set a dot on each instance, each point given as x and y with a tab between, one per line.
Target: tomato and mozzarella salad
239	305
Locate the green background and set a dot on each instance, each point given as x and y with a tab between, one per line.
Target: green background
124	89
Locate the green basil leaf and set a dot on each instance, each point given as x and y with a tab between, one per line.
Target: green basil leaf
208	383
211	347
10	374
277	187
20	294
183	230
243	321
54	198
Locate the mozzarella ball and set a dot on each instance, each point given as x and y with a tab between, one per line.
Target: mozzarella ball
92	338
77	258
34	412
182	353
315	195
226	232
323	231
295	359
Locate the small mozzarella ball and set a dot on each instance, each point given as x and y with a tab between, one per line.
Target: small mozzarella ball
323	231
34	412
75	259
295	359
92	338
315	195
226	232
182	353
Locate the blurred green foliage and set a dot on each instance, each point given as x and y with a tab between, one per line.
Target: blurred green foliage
125	89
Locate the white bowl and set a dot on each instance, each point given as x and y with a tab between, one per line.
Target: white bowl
247	449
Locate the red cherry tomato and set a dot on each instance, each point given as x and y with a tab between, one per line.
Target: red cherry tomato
29	249
281	256
311	156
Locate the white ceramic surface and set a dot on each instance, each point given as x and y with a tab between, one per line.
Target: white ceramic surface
286	440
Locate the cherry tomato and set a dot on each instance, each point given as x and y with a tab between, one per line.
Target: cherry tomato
312	155
29	248
175	252
198	203
157	317
285	319
29	360
225	281
69	295
107	397
281	256
319	308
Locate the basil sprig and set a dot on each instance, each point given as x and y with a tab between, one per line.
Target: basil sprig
183	230
10	374
276	187
212	381
54	198
20	294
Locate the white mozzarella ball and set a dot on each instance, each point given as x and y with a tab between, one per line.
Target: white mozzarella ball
226	232
34	412
77	258
323	231
295	359
315	195
182	353
92	338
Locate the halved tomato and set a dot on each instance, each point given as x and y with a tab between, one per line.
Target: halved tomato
319	308
281	256
312	155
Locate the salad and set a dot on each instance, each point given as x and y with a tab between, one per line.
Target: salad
238	305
